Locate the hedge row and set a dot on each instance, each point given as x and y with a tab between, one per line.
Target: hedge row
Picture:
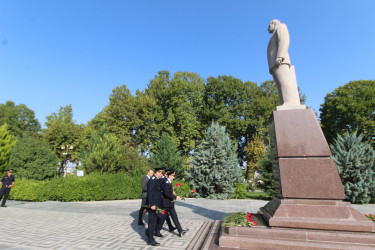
92	187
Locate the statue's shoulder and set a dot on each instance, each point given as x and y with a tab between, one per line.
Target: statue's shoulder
282	27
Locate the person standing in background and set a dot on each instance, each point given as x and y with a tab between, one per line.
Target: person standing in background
143	209
6	183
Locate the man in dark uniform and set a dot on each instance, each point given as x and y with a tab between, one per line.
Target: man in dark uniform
7	183
169	196
142	211
167	218
154	195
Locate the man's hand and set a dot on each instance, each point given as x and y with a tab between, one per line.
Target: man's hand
178	198
174	193
279	60
153	207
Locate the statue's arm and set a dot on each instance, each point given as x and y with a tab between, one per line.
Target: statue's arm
283	42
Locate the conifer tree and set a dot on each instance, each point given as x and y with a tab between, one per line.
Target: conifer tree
355	163
215	167
167	155
7	141
104	154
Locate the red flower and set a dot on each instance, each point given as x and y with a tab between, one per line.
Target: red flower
163	212
254	223
193	190
248	217
178	185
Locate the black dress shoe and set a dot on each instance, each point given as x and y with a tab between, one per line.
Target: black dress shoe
183	232
158	235
172	229
4	206
153	243
141	224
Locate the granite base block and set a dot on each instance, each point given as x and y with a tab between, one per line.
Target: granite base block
316	214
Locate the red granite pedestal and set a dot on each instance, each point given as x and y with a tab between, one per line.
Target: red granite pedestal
309	208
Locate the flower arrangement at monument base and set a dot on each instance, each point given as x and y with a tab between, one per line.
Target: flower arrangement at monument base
370	216
240	219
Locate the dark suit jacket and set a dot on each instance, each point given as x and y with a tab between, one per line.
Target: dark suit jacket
168	195
154	192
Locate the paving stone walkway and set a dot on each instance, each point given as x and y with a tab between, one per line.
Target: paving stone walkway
107	224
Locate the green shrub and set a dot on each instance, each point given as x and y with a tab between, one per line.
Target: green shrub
92	187
240	191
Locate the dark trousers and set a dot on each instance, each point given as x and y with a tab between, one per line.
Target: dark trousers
174	217
141	214
4	191
170	226
154	220
170	211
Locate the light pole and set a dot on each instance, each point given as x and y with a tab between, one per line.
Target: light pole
65	149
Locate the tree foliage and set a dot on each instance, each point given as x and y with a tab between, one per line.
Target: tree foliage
167	155
214	164
32	159
349	108
267	180
7	141
104	154
19	118
355	162
120	114
256	151
62	130
178	103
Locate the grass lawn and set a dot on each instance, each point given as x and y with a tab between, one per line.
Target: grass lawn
257	196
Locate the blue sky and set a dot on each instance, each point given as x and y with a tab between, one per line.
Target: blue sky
60	52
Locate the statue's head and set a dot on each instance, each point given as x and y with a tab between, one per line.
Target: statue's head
273	25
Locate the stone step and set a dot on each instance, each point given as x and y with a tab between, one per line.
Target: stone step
287	238
200	237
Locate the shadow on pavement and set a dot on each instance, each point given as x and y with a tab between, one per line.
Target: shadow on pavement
139	229
208	213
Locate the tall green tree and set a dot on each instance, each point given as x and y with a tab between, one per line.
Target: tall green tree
177	105
349	108
355	162
121	114
167	155
19	118
7	141
243	108
214	164
62	130
32	159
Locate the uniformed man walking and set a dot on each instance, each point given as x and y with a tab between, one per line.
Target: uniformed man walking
167	218
143	210
154	195
7	183
169	196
